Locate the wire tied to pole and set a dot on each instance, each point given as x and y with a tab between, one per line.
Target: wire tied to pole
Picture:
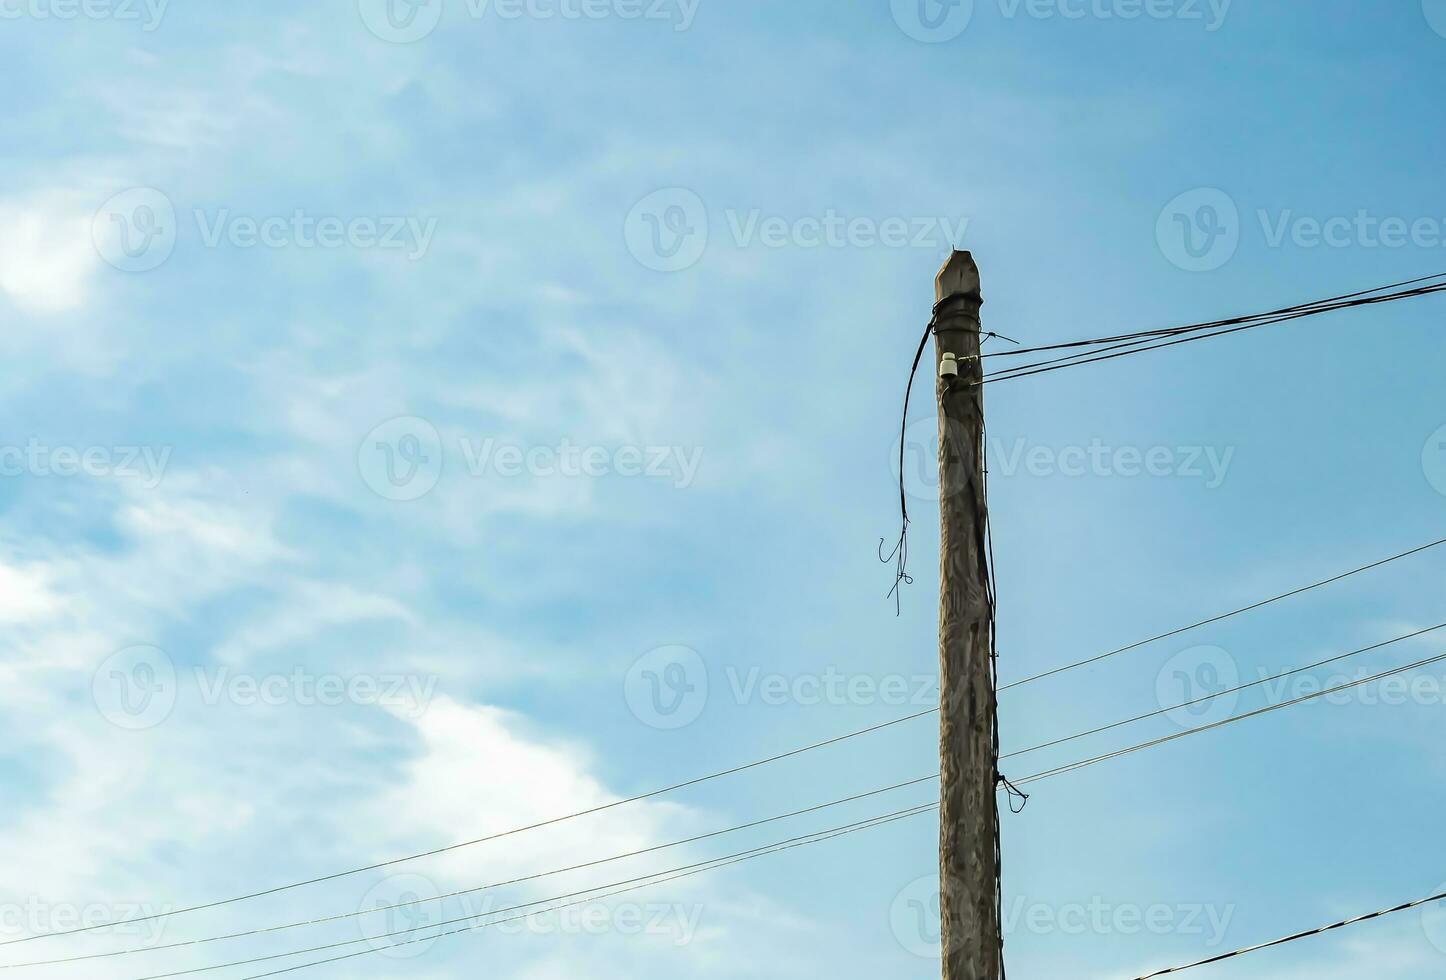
1015	793
900	553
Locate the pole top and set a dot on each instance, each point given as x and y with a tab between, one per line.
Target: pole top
958	276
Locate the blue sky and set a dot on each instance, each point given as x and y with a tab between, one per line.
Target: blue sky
394	395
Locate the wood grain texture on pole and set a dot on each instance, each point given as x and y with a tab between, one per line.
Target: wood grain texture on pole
969	818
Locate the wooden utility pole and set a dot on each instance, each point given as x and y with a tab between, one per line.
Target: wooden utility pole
969	818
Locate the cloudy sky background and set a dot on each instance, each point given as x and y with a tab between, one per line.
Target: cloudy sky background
302	462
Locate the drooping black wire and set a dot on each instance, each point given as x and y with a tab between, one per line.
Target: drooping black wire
497	836
900	554
1004	782
1220	694
814	838
1013	792
1212	324
1307	934
1125	346
1223	616
488	887
1095	760
638	882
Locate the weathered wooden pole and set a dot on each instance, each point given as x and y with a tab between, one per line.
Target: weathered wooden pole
969	819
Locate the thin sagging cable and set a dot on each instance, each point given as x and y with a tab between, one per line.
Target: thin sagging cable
1221	694
1307	934
762	762
482	840
879	823
1082	764
810	838
1224	616
738	828
481	888
1085	763
649	879
1212	324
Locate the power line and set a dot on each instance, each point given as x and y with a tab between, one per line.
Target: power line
1300	935
810	838
636	883
739	769
491	837
1211	324
1127	344
1228	615
914	782
488	887
773	819
1221	694
1060	770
